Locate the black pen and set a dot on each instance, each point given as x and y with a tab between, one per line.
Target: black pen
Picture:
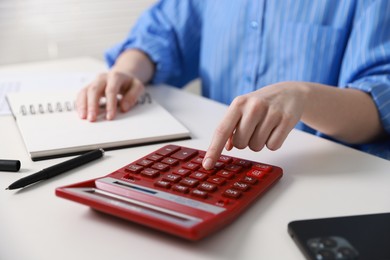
57	169
9	165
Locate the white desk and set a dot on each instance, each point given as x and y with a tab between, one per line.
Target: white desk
321	179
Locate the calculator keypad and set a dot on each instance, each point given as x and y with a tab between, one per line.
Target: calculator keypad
179	170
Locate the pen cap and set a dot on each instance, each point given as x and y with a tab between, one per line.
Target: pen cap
9	165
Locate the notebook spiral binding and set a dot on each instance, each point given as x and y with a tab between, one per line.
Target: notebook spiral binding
145	99
66	106
47	108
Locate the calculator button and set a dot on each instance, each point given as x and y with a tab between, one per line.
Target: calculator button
223	202
199	176
207	186
184	154
231	193
189	182
197	160
256	173
199	193
225	159
145	162
241	186
249	180
233	168
243	163
219	165
225	174
217	180
134	168
262	167
160	166
163	184
182	172
168	150
180	188
170	161
211	171
191	166
154	157
151	173
171	177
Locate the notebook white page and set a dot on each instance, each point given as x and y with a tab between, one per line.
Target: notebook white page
49	134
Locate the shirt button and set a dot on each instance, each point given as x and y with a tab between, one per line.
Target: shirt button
254	25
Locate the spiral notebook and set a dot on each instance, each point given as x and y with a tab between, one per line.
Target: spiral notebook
50	126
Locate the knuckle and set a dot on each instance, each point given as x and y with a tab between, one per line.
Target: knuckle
273	145
137	82
238	143
256	146
275	112
115	76
289	119
256	105
94	86
274	115
138	86
286	115
110	91
101	76
239	101
239	146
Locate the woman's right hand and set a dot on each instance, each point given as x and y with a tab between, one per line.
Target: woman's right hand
109	85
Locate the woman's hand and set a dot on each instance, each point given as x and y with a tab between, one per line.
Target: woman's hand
262	118
265	117
131	71
109	85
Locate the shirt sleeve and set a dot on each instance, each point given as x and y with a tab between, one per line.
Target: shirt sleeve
169	33
366	64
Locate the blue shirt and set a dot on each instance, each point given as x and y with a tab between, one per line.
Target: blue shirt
239	46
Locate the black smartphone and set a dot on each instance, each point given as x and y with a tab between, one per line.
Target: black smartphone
363	237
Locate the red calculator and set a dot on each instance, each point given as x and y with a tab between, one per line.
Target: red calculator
169	190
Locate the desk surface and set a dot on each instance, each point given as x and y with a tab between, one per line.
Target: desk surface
321	179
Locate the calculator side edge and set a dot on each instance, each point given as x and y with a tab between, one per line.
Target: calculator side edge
193	233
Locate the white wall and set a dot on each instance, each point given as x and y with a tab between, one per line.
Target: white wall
34	30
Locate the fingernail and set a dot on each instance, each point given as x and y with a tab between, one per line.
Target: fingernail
91	116
207	163
109	115
82	114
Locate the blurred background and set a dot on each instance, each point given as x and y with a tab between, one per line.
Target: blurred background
40	30
37	30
